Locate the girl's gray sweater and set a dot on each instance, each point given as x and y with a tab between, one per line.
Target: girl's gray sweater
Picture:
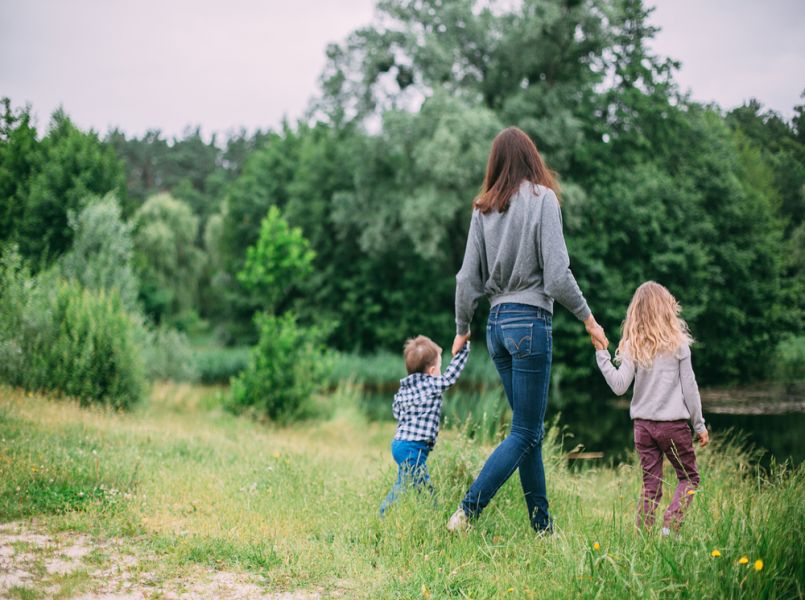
518	256
665	391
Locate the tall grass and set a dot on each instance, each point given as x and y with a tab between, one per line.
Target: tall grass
191	484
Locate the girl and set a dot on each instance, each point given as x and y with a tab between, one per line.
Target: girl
655	352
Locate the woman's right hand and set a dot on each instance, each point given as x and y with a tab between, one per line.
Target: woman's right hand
597	335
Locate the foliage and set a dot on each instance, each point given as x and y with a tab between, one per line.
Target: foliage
167	354
262	183
26	320
170	264
279	260
789	360
94	356
285	369
381	173
72	167
102	254
219	365
56	335
19	159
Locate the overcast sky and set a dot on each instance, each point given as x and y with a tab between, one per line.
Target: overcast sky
169	63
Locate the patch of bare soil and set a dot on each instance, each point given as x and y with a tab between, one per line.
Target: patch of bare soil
69	564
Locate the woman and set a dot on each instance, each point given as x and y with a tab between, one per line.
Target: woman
516	256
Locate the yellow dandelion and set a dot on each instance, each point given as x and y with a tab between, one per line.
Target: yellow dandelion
758	565
596	546
715	554
744	560
277	454
691	492
510	590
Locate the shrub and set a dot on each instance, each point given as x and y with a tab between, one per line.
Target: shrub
56	335
94	354
219	365
285	369
167	355
25	320
789	359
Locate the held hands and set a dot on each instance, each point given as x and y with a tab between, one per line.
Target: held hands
597	335
704	438
458	343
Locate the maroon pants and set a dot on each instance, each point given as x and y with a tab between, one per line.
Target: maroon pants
653	439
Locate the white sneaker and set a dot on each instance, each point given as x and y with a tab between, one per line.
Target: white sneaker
458	522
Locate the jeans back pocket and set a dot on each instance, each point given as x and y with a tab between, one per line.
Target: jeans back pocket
518	337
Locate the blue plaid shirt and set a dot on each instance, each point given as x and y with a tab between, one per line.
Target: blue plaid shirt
417	405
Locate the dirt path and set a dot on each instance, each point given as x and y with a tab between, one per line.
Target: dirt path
36	564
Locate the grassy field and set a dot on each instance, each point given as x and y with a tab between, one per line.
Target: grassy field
182	485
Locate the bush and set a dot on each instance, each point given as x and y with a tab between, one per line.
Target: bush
219	365
285	369
789	360
25	320
56	335
167	355
94	354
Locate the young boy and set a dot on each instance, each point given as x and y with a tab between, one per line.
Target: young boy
417	407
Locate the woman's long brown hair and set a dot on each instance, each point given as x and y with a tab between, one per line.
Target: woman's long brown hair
514	158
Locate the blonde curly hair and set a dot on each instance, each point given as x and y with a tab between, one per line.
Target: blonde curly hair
652	325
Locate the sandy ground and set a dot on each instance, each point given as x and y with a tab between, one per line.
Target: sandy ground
34	563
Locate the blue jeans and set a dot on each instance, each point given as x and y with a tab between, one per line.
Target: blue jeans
518	337
412	472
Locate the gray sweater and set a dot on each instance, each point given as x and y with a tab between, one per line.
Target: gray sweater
518	256
666	391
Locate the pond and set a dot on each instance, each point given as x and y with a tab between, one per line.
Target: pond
769	420
778	431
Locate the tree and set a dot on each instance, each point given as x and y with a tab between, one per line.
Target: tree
19	159
436	78
188	167
74	166
102	254
169	263
279	260
263	183
535	63
286	365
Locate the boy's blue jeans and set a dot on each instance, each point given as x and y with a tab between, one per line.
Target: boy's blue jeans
519	340
412	472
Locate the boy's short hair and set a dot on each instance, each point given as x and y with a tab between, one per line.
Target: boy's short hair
420	353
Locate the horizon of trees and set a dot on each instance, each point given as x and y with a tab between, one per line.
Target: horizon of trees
656	186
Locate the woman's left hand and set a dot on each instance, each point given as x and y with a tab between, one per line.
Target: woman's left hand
458	343
597	335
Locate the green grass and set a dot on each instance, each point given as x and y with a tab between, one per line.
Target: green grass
185	483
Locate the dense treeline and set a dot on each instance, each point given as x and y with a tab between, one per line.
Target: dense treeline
381	172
